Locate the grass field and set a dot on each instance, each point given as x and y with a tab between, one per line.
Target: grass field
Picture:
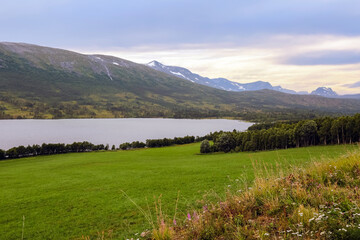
67	196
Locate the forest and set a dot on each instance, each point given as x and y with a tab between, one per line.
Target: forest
320	131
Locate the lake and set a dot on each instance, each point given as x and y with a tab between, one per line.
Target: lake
14	133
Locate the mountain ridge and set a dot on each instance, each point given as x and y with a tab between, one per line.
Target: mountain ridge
219	83
42	82
228	85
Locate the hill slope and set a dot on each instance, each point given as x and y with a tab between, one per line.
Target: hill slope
41	82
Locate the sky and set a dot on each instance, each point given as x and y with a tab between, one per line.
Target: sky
298	44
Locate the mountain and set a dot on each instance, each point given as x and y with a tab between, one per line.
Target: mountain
219	83
328	92
227	85
325	92
43	82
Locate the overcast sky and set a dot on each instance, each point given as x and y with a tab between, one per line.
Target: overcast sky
299	45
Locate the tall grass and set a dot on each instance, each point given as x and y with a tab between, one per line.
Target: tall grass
319	202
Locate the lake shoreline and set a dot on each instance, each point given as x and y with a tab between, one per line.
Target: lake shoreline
112	131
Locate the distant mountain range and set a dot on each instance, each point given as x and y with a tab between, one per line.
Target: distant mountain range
219	83
227	85
43	82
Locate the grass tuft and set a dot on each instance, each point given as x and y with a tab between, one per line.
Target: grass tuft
320	201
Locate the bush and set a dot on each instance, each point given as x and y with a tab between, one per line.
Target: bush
151	143
125	146
225	142
137	144
12	153
205	147
2	154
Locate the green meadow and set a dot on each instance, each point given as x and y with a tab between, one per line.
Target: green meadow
83	194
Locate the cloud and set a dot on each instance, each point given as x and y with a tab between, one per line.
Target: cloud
253	63
324	58
353	85
138	22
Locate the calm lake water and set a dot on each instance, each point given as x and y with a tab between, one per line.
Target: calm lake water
112	131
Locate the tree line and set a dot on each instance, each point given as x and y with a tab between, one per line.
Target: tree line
59	148
320	131
50	148
152	143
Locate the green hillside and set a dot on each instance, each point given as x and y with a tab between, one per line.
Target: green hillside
70	195
41	82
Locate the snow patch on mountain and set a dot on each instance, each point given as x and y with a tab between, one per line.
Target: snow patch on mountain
151	64
219	83
178	74
325	92
108	72
102	63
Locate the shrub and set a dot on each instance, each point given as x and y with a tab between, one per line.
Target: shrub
137	144
225	142
205	147
2	154
125	146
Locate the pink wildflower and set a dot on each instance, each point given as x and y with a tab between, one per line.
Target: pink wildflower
195	216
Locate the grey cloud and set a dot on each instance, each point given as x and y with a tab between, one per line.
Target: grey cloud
144	22
324	58
353	85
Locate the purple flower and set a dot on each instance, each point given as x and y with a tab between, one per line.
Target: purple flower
189	216
174	221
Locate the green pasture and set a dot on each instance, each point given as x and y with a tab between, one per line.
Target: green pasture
80	194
